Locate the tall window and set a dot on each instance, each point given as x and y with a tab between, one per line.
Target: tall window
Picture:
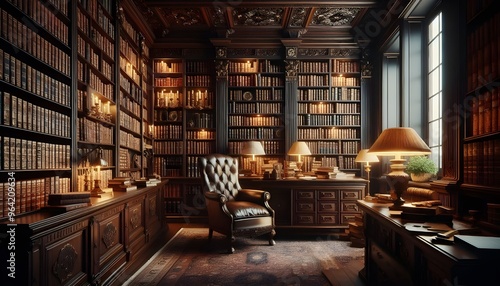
435	90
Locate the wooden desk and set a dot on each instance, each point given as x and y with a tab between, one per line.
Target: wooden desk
312	205
396	256
99	244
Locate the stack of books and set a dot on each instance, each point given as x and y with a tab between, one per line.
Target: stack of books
146	182
331	173
356	231
430	211
326	172
122	184
69	201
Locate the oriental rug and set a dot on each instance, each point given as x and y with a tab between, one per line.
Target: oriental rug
190	259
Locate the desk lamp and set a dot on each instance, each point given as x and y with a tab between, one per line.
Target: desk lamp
253	148
397	142
299	148
365	157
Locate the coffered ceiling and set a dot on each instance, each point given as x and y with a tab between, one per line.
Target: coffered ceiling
252	21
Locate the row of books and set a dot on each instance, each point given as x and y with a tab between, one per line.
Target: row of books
22	75
46	17
22	154
101	41
131	88
169	147
168	131
334	147
94	132
329	107
19	35
133	34
485	113
328	133
129	140
257	94
482	163
95	81
129	52
130	104
483	50
161	66
344	66
164	167
23	114
200	135
313	67
255	80
330	120
254	133
131	73
32	7
199	147
30	195
337	93
242	120
198	80
256	107
129	122
168	82
98	10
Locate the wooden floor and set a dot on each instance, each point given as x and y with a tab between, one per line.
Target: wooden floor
348	276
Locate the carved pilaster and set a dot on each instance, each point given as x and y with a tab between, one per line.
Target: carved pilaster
292	68
221	68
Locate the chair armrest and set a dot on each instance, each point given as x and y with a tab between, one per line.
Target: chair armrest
219	198
255	196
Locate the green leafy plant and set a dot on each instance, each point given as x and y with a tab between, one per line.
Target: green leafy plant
421	165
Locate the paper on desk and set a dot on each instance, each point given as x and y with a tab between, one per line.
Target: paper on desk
427	227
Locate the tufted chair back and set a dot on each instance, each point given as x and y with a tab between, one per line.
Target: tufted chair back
220	174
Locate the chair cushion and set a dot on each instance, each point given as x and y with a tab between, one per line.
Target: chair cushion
241	209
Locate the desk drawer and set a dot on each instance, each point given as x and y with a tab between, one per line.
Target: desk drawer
325	206
304	206
349	206
351	195
304	194
327	195
327	219
305	219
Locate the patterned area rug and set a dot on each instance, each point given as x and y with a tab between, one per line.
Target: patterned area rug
189	259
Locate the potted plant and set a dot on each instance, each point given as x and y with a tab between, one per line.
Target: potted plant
421	168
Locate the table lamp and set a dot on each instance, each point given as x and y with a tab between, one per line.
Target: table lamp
253	148
299	148
98	162
365	157
398	142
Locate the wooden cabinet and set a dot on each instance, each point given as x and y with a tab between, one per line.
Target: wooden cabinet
312	204
100	244
396	256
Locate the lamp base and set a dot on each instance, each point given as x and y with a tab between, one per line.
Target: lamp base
96	192
398	180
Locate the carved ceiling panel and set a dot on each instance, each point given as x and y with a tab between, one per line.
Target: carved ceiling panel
253	19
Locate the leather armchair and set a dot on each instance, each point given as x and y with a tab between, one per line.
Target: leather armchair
233	211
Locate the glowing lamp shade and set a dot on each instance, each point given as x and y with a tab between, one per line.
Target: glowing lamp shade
299	149
252	148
